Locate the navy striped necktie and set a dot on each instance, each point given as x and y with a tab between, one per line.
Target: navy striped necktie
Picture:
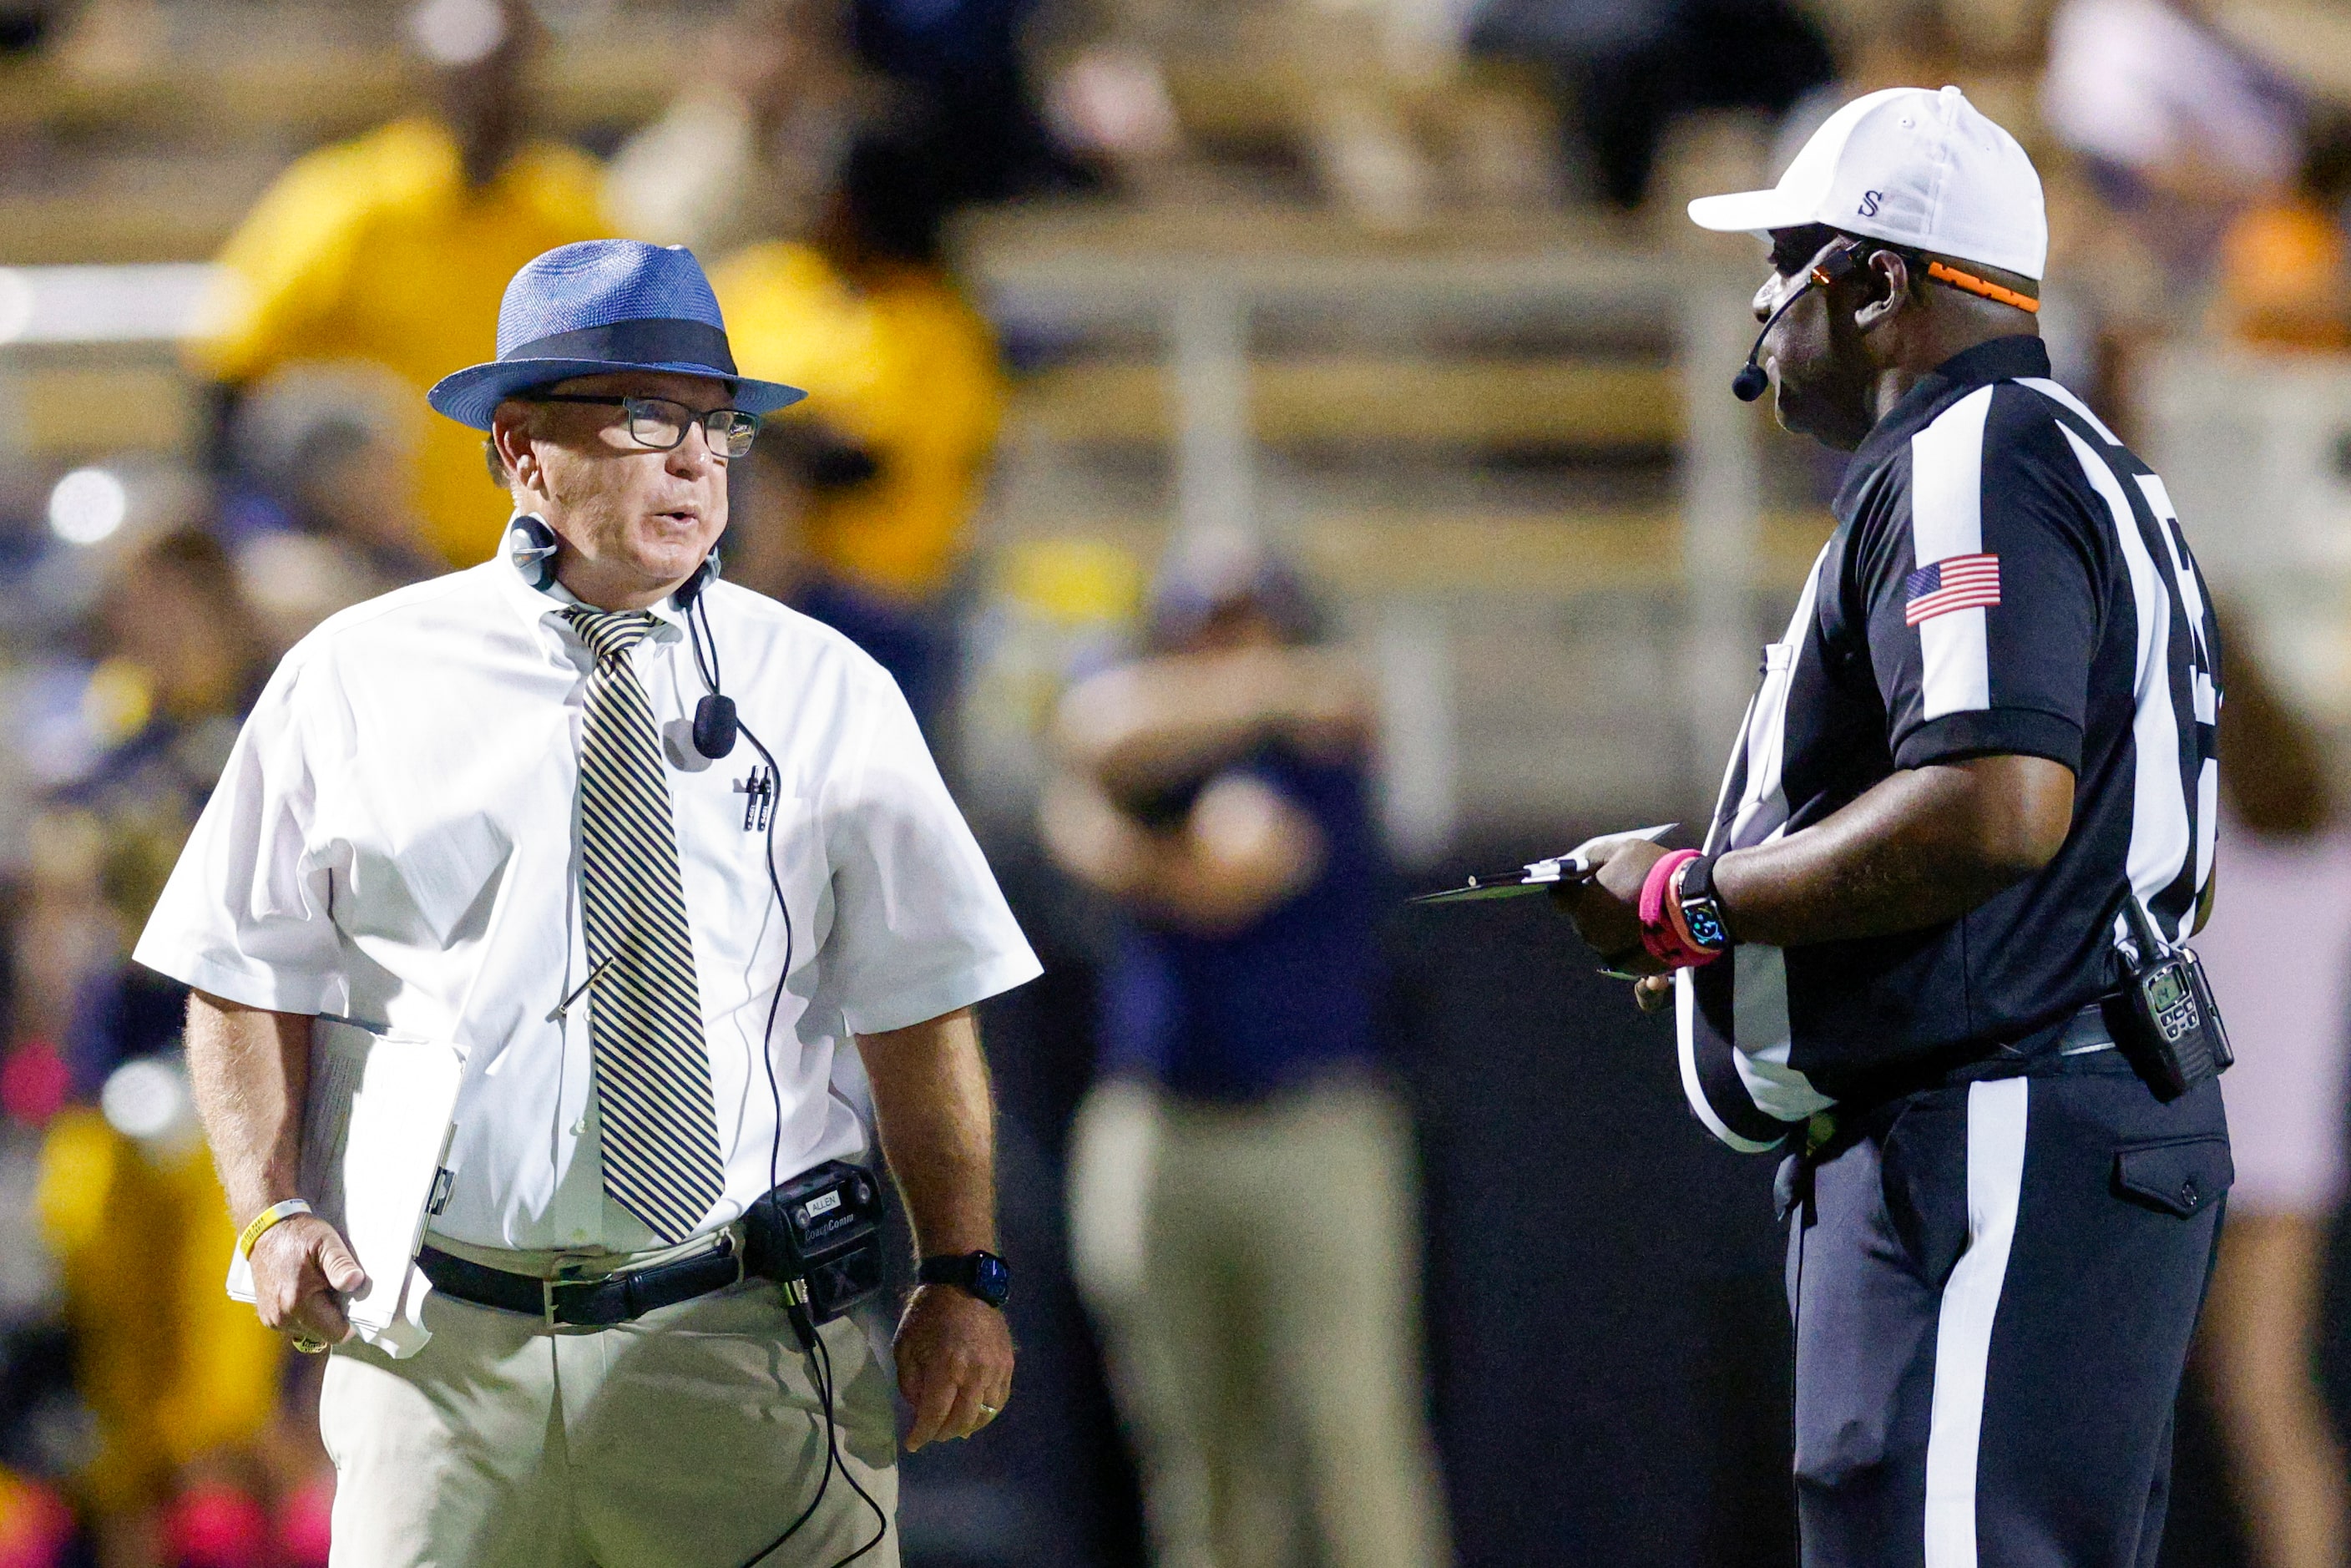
651	1069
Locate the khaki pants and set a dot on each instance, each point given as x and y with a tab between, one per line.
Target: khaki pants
1265	1332
688	1438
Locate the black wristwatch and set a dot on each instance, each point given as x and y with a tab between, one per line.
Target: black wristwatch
1702	907
980	1274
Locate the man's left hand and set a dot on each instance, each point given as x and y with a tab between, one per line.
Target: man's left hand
1607	907
954	1356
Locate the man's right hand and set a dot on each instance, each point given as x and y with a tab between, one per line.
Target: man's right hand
301	1270
1606	906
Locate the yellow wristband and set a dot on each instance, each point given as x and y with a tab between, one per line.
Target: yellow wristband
264	1220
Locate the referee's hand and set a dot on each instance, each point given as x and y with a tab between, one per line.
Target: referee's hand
954	1356
301	1270
1607	907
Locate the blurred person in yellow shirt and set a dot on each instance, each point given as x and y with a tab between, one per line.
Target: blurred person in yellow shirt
174	1371
395	247
906	396
2285	268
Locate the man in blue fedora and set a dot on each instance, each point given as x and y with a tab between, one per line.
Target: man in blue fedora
517	809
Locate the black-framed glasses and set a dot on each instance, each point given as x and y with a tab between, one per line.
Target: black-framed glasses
661	424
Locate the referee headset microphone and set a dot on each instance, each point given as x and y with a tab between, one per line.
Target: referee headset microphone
1752	383
532	547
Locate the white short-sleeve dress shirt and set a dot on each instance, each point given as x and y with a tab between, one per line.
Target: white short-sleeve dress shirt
395	841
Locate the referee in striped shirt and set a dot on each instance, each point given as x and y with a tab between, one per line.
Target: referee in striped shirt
1992	711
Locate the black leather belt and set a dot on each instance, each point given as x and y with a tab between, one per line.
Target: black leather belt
2085	1036
2082	1042
585	1303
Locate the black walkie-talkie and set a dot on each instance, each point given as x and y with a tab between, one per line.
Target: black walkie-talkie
2171	1032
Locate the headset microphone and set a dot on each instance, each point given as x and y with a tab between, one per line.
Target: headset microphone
1752	383
715	725
715	722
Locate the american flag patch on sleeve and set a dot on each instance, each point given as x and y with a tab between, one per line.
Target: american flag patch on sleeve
1955	582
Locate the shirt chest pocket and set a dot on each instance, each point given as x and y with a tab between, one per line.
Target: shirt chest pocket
723	835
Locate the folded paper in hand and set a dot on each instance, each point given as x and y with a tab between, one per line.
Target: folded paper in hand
376	1127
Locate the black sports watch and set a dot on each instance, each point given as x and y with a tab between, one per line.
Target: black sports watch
983	1275
1702	907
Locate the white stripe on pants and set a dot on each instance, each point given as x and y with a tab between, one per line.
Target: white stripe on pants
1996	1122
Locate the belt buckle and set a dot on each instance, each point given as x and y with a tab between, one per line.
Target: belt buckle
730	1245
565	1274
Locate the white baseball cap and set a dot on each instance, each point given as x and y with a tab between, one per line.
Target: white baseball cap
1912	167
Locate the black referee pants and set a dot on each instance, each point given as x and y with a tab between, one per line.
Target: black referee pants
1994	1285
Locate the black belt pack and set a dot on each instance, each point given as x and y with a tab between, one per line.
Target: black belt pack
820	1236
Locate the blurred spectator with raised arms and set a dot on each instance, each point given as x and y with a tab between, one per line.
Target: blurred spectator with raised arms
907	398
1243	1201
395	247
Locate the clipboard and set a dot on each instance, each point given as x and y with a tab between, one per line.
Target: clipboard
1540	876
377	1124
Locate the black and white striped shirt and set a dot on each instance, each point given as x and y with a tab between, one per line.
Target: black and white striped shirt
2005	578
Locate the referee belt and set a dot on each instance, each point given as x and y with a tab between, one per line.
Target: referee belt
613	1299
2080	1042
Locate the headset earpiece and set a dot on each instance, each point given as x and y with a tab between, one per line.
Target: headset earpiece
1837	264
530	548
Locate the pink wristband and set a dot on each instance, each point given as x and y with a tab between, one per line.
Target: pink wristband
1662	933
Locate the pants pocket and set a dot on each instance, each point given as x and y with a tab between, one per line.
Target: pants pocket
2180	1176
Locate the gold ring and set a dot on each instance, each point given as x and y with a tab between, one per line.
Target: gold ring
990	1411
308	1345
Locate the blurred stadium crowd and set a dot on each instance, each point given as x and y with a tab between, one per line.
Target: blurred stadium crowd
1428	583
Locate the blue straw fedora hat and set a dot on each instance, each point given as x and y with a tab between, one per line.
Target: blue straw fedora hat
600	306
